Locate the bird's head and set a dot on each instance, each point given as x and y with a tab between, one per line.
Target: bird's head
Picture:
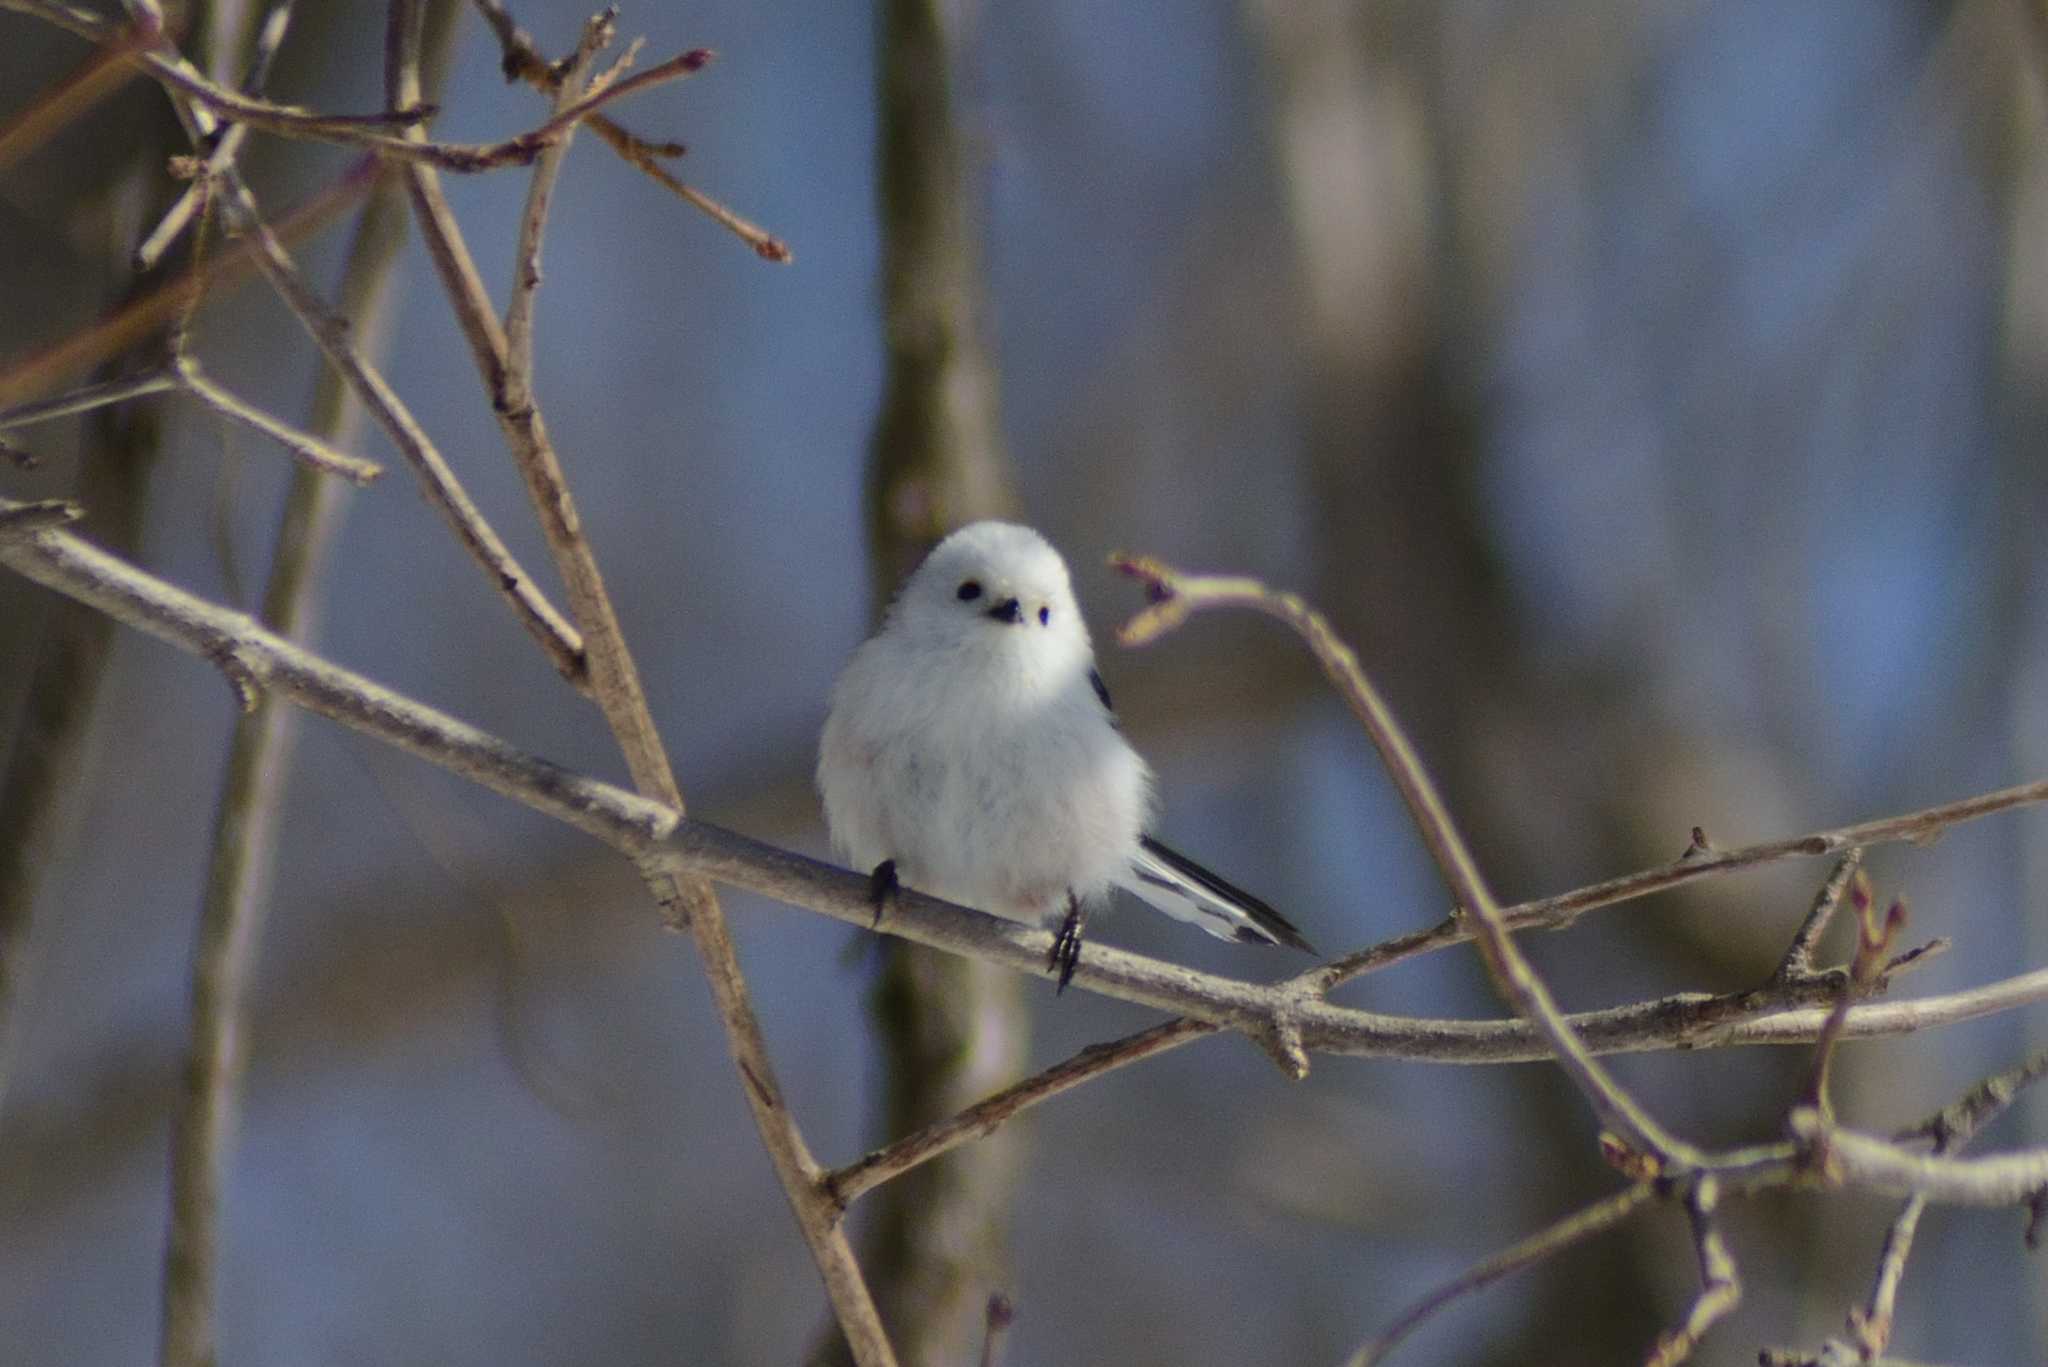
999	588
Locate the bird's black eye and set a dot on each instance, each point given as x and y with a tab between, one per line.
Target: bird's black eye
969	591
1045	617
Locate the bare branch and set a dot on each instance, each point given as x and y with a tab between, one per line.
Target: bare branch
227	147
1575	1228
523	61
135	318
1562	910
87	398
518	374
314	452
240	869
850	1183
444	491
19	520
657	836
1174	595
1720	1288
360	130
1844	1157
686	899
1798	960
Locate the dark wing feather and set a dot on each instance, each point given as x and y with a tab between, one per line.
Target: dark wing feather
1257	911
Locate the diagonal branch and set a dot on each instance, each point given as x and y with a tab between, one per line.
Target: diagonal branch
687	900
1174	596
1574	1228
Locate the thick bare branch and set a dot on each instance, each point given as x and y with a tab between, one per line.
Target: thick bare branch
1845	1157
654	833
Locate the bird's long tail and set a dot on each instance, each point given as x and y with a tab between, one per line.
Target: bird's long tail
1183	889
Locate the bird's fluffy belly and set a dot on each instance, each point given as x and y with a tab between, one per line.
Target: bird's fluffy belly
1009	823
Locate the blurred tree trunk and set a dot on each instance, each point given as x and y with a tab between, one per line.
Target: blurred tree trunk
1406	565
949	1030
50	760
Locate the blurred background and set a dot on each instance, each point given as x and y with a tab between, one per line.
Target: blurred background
1651	392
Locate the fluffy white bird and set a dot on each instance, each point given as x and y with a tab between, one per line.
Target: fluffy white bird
971	753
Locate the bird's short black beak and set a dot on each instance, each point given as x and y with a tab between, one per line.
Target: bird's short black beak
1009	610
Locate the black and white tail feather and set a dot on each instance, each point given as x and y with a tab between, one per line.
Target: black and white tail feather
1175	884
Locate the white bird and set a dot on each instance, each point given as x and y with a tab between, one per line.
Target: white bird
971	754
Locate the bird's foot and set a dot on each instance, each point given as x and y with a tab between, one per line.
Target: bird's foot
1066	946
882	886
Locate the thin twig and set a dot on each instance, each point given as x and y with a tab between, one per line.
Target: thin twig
1875	936
1951	1128
856	1179
315	452
1574	1228
523	61
1720	1287
1798	959
360	130
98	75
444	491
228	146
518	375
88	397
1562	910
1174	596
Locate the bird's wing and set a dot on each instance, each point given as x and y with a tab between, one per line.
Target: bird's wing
1181	888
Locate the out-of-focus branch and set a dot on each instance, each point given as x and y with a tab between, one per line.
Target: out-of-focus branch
48	761
251	805
948	1030
135	318
99	75
1544	1244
